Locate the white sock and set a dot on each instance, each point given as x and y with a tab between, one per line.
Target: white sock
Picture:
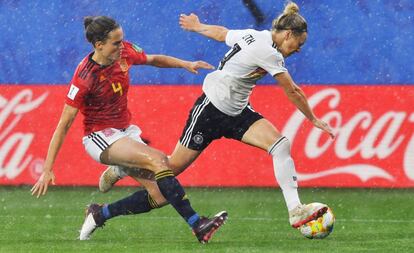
285	172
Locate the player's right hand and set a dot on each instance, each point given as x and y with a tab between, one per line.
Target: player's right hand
40	188
190	22
194	66
323	126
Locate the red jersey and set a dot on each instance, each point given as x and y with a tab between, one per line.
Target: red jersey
100	92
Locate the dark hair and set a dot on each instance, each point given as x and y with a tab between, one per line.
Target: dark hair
98	27
290	19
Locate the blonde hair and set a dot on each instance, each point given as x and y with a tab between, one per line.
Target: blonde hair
290	19
291	8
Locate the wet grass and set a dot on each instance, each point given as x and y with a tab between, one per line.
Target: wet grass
368	220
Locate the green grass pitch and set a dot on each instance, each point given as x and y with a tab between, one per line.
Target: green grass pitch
368	220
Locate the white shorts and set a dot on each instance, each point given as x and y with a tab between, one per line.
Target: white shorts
95	143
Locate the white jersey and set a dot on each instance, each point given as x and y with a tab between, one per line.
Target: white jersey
253	54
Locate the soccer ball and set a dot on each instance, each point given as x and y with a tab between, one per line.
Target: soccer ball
320	227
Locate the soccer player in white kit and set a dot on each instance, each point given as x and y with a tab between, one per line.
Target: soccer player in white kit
223	109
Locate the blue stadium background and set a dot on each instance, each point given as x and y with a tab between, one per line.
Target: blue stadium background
350	42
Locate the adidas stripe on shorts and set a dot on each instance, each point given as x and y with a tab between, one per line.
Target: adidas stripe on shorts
95	143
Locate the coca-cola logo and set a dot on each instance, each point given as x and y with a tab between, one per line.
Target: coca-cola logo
14	145
382	137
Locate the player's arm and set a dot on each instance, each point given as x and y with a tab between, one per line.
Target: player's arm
66	119
165	61
298	98
193	24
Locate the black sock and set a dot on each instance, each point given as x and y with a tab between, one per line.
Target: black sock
172	190
138	202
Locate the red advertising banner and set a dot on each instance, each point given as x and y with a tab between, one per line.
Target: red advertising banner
374	144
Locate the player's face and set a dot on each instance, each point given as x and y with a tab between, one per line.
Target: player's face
112	47
292	43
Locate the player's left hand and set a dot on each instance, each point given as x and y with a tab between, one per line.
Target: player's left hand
40	188
194	66
323	126
190	22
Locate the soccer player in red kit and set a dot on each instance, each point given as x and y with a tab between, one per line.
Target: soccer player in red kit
107	107
99	90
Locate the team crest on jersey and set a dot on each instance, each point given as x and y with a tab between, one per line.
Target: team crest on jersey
198	139
137	48
108	132
124	65
102	78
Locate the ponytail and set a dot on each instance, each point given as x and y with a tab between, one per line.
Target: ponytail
290	19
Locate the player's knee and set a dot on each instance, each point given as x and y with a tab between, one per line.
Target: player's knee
158	162
176	166
281	148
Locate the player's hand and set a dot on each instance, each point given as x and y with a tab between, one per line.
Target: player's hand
190	23
323	126
40	188
194	66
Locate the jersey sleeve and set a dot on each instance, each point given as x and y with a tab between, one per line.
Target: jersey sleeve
234	35
77	92
273	64
135	53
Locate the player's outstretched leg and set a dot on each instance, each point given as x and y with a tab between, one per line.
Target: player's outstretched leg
110	176
97	215
93	220
286	177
